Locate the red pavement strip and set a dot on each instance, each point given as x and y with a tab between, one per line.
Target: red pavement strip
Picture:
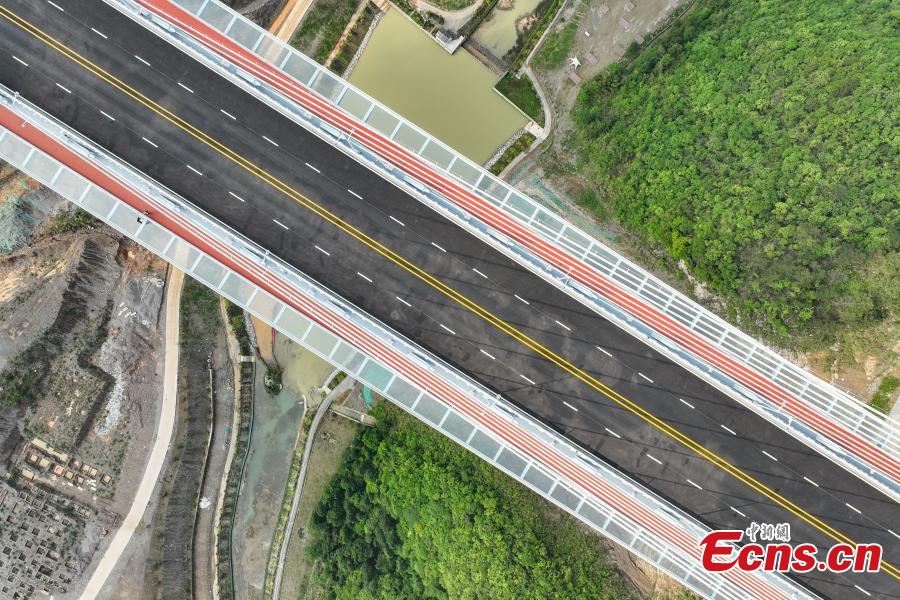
346	330
577	269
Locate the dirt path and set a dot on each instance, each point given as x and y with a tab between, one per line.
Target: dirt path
287	21
160	445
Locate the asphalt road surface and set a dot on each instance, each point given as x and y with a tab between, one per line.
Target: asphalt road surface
243	199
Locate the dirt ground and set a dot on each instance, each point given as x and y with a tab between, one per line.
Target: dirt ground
83	309
333	437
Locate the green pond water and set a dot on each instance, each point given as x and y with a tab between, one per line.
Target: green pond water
451	97
497	32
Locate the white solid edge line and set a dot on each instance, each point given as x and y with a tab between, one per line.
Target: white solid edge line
354	193
570	406
279	223
645	377
236	196
398	221
100	33
271	141
488	354
185	87
19	60
63	88
228	114
312	167
322	250
403	301
364	277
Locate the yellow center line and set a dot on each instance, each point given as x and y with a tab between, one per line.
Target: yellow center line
435	283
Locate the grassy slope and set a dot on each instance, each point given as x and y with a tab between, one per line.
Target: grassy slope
757	142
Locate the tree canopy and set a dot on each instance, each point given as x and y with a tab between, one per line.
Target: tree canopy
757	141
410	514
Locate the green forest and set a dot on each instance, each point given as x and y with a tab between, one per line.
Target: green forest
758	142
412	515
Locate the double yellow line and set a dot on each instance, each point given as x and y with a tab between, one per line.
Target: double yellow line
435	283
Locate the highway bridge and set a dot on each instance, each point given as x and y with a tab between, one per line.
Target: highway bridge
380	248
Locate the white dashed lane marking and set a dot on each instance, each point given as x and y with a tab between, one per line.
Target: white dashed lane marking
604	351
64	88
737	511
439	247
279	223
398	221
403	301
480	273
197	172
149	142
488	354
186	87
654	459
445	328
770	456
228	114
612	433
862	590
271	141
364	277
236	196
142	60
570	406
312	167
354	193
853	508
107	115
531	381
645	377
322	250
56	6
564	326
810	481
693	484
686	403
521	299
728	429
19	60
100	33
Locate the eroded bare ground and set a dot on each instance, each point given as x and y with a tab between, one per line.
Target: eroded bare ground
79	377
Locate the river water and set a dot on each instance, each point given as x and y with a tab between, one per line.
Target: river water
451	97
